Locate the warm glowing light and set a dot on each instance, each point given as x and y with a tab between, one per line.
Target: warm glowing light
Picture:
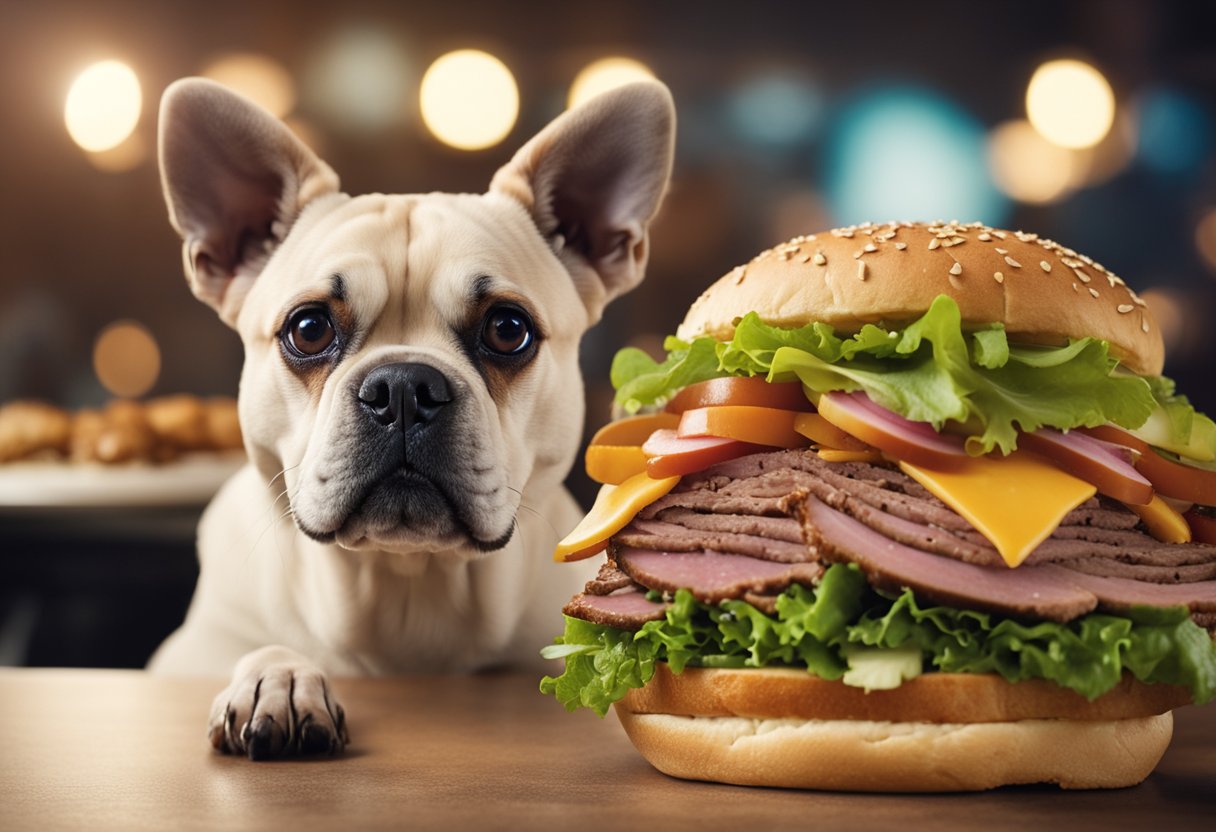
1070	103
360	80
126	359
1205	238
606	74
1168	308
103	106
1026	166
469	99
258	78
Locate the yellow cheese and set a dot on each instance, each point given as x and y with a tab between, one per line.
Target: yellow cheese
1163	521
615	506
1015	501
613	464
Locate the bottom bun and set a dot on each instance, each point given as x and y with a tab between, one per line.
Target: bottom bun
874	755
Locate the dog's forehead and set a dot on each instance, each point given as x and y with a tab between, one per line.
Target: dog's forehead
403	250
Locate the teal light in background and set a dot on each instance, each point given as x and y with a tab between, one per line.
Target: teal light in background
899	153
776	109
1175	131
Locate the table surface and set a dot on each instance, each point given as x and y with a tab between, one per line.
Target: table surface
125	750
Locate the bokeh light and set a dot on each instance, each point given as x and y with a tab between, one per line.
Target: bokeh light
469	99
1168	309
360	81
126	359
1205	238
1175	131
1071	103
907	153
257	77
103	106
606	74
1026	166
776	109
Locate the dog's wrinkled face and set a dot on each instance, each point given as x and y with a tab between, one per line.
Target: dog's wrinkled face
411	362
411	365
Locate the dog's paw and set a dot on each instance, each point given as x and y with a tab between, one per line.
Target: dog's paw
278	705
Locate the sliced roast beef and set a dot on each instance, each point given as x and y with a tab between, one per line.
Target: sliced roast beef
626	610
609	580
892	566
731	532
673	537
711	576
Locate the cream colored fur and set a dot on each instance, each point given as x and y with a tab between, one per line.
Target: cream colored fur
266	227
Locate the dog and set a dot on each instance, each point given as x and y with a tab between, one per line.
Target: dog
410	400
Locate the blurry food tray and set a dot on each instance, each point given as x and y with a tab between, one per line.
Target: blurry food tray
191	480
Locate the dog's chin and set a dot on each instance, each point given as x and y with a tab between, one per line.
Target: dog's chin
406	513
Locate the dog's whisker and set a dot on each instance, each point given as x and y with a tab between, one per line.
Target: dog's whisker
270	484
525	507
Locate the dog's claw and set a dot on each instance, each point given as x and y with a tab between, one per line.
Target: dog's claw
277	710
265	740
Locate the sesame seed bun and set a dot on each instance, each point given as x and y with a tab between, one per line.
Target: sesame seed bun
938	732
1041	291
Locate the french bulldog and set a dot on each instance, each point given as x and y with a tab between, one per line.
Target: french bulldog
410	400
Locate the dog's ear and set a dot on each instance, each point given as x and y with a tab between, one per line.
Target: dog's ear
593	180
235	179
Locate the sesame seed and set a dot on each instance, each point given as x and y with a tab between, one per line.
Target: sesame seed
985	237
998	277
857	255
1000	250
1082	276
1093	291
957	268
1144	325
1075	288
934	243
1139	301
861	269
819	259
870	247
1044	265
901	246
1124	308
1012	262
806	258
954	241
999	234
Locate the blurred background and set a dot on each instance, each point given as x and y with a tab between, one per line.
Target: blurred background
1090	122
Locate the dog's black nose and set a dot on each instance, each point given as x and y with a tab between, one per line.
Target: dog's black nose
404	394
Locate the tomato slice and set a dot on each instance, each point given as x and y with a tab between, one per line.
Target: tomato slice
819	430
633	430
759	425
1203	526
738	390
671	455
1172	479
915	442
613	464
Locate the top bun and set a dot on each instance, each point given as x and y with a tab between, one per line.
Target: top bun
1043	292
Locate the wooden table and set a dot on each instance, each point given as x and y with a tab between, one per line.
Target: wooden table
124	750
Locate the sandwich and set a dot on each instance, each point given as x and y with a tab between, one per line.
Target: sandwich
906	507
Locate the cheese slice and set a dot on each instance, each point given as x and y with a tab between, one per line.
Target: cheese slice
614	507
1015	501
1163	521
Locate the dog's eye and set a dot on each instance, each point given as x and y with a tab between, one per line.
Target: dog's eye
507	331
309	331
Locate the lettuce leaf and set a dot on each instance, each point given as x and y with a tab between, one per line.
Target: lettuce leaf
817	629
930	371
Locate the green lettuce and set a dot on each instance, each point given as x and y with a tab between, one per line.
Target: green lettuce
819	629
932	370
